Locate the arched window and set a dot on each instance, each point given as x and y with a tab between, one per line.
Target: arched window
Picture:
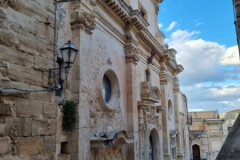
170	110
147	75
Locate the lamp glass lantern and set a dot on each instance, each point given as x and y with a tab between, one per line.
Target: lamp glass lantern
69	52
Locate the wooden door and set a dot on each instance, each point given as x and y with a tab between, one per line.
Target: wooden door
196	152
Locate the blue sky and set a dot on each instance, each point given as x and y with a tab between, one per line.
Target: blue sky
213	18
204	36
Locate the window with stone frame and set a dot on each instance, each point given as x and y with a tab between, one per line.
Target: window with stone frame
142	11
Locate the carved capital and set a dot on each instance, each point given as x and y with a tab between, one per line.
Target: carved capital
131	54
175	84
83	20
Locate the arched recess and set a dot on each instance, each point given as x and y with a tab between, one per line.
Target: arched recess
196	152
153	145
170	110
147	75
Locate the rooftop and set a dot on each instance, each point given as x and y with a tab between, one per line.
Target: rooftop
204	114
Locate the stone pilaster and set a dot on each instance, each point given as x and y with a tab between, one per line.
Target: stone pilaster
132	111
164	80
82	24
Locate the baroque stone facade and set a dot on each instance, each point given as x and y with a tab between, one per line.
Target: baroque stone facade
143	115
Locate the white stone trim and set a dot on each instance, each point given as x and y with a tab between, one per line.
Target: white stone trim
115	92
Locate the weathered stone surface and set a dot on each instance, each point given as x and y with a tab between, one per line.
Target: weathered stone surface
43	96
8	124
44	156
24	127
43	127
50	110
22	74
29	108
2	130
17	57
41	48
5	109
31	9
3	14
30	145
43	62
4	145
50	143
64	157
8	38
27	42
27	23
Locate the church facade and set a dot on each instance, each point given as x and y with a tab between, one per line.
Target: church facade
124	81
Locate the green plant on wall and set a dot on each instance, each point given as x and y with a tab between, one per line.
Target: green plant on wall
69	115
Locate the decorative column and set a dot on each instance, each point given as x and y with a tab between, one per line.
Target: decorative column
132	58
164	79
82	24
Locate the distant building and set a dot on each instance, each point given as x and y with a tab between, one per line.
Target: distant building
206	135
229	117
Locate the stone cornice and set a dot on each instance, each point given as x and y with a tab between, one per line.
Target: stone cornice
146	37
137	20
118	7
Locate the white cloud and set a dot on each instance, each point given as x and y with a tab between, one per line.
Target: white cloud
198	24
160	25
231	56
171	26
206	80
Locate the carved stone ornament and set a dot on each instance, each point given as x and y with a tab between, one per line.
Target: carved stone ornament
141	127
152	120
83	20
4	68
149	92
131	54
175	84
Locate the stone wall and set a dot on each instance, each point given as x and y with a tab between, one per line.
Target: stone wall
27	120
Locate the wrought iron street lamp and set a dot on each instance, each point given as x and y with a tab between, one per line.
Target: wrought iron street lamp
69	52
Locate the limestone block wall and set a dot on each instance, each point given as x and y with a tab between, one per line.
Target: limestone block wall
27	120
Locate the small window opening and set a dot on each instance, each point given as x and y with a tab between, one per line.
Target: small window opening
64	147
147	75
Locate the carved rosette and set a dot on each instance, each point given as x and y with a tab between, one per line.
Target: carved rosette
131	54
83	20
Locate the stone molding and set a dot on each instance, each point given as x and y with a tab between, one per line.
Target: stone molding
83	20
148	40
150	93
164	76
131	54
119	8
114	102
175	84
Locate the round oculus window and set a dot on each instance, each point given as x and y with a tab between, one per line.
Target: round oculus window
106	89
109	90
